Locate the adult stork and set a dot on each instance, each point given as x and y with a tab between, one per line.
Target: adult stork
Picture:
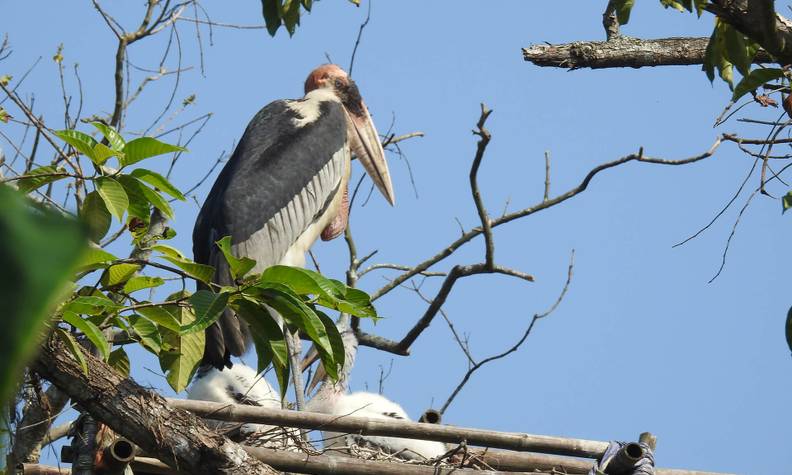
285	186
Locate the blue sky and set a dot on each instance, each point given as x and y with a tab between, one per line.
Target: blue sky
641	343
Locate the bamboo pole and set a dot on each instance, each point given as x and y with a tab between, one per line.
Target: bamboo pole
38	469
528	462
328	465
411	430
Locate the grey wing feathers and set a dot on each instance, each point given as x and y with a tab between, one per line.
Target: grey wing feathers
278	181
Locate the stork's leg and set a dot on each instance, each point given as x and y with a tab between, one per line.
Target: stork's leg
295	353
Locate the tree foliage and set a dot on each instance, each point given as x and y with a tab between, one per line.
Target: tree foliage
109	299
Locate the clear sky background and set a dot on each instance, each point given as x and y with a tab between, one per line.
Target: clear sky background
641	343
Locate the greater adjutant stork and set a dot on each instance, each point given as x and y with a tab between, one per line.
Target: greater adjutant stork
285	186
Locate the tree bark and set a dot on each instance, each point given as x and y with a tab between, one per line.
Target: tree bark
174	436
34	425
624	52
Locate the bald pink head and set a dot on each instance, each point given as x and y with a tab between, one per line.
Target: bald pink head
323	76
363	137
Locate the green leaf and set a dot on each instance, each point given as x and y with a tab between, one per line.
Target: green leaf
118	274
755	79
91	331
157	181
786	202
161	316
184	352
237	266
737	50
138	203
269	340
290	12
90	305
119	361
114	196
81	142
102	152
157	200
271	12
208	307
294	311
358	303
142	282
94	213
715	56
39	177
146	147
700	4
74	348
147	332
168	251
39	252
115	140
93	256
338	355
623	9
197	271
302	281
267	335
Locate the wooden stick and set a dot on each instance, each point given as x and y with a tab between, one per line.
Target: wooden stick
528	462
326	465
38	469
411	430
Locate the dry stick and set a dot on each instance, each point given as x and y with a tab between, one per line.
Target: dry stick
547	176
484	139
365	426
40	125
359	36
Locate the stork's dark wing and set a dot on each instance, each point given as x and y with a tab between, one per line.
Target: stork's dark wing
282	175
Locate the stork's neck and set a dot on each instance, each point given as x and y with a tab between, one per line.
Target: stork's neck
330	389
321	95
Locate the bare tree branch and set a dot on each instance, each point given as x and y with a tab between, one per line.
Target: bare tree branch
624	52
610	21
545	204
517	345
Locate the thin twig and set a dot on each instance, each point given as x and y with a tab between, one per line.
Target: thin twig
519	342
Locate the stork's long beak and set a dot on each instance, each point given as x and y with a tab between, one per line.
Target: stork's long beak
320	374
365	143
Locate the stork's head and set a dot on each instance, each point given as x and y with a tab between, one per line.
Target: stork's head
362	135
